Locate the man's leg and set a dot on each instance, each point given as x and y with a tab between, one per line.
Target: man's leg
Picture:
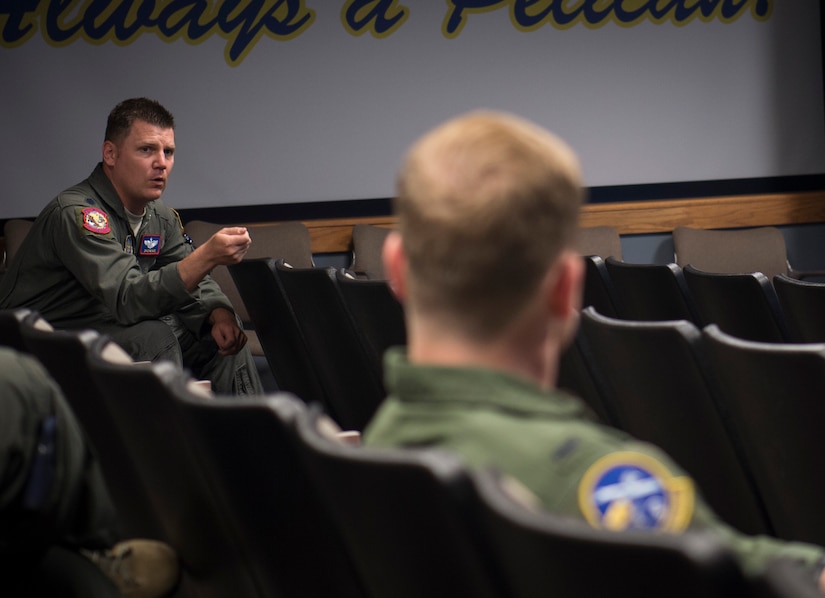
229	374
150	340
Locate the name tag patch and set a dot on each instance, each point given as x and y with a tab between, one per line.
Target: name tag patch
149	245
632	491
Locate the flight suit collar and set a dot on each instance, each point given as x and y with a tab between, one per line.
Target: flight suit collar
106	192
410	382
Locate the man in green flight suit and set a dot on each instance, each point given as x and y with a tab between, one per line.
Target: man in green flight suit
483	261
108	254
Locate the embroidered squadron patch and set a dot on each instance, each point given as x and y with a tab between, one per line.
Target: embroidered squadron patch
95	220
632	491
149	245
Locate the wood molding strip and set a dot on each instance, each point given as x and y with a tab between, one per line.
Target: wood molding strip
715	212
638	217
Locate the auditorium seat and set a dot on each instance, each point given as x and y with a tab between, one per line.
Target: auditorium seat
579	376
376	311
663	392
744	305
352	379
598	287
195	521
603	241
284	240
648	292
738	251
247	450
65	355
367	247
803	306
281	339
773	394
11	322
544	554
402	514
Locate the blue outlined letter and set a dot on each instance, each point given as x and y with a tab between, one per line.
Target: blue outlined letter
379	17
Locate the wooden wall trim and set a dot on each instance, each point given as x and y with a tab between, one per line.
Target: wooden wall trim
639	217
714	212
629	218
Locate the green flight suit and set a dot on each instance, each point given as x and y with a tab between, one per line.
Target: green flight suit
81	266
51	487
551	443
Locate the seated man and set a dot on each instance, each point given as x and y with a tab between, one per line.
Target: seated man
52	497
108	254
483	260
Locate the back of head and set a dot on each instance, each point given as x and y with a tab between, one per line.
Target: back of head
486	203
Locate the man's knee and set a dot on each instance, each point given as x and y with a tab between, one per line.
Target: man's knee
150	340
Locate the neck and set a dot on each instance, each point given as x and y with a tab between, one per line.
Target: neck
132	207
530	354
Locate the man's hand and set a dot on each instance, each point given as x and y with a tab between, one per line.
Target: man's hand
227	246
228	336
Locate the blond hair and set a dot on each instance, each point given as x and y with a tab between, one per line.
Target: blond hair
486	202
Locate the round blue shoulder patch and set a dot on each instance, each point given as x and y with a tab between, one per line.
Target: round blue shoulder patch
633	491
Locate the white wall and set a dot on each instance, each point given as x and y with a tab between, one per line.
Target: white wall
327	114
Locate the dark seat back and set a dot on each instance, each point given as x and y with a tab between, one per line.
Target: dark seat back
744	305
773	393
402	514
803	306
663	393
196	521
65	354
377	313
351	379
247	449
11	322
598	288
650	292
579	376
542	554
282	341
289	241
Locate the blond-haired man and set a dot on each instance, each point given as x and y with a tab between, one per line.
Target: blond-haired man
487	209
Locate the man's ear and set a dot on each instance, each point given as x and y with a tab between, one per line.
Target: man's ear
109	153
566	293
395	264
568	285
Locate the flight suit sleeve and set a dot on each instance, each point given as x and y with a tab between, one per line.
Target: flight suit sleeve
93	255
207	297
636	486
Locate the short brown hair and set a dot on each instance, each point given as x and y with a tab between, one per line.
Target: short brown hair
128	111
486	202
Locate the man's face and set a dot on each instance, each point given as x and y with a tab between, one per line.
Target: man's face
140	164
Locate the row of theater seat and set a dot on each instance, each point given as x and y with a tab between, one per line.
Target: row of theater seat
673	397
261	499
310	322
747	304
323	332
352	407
744	418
